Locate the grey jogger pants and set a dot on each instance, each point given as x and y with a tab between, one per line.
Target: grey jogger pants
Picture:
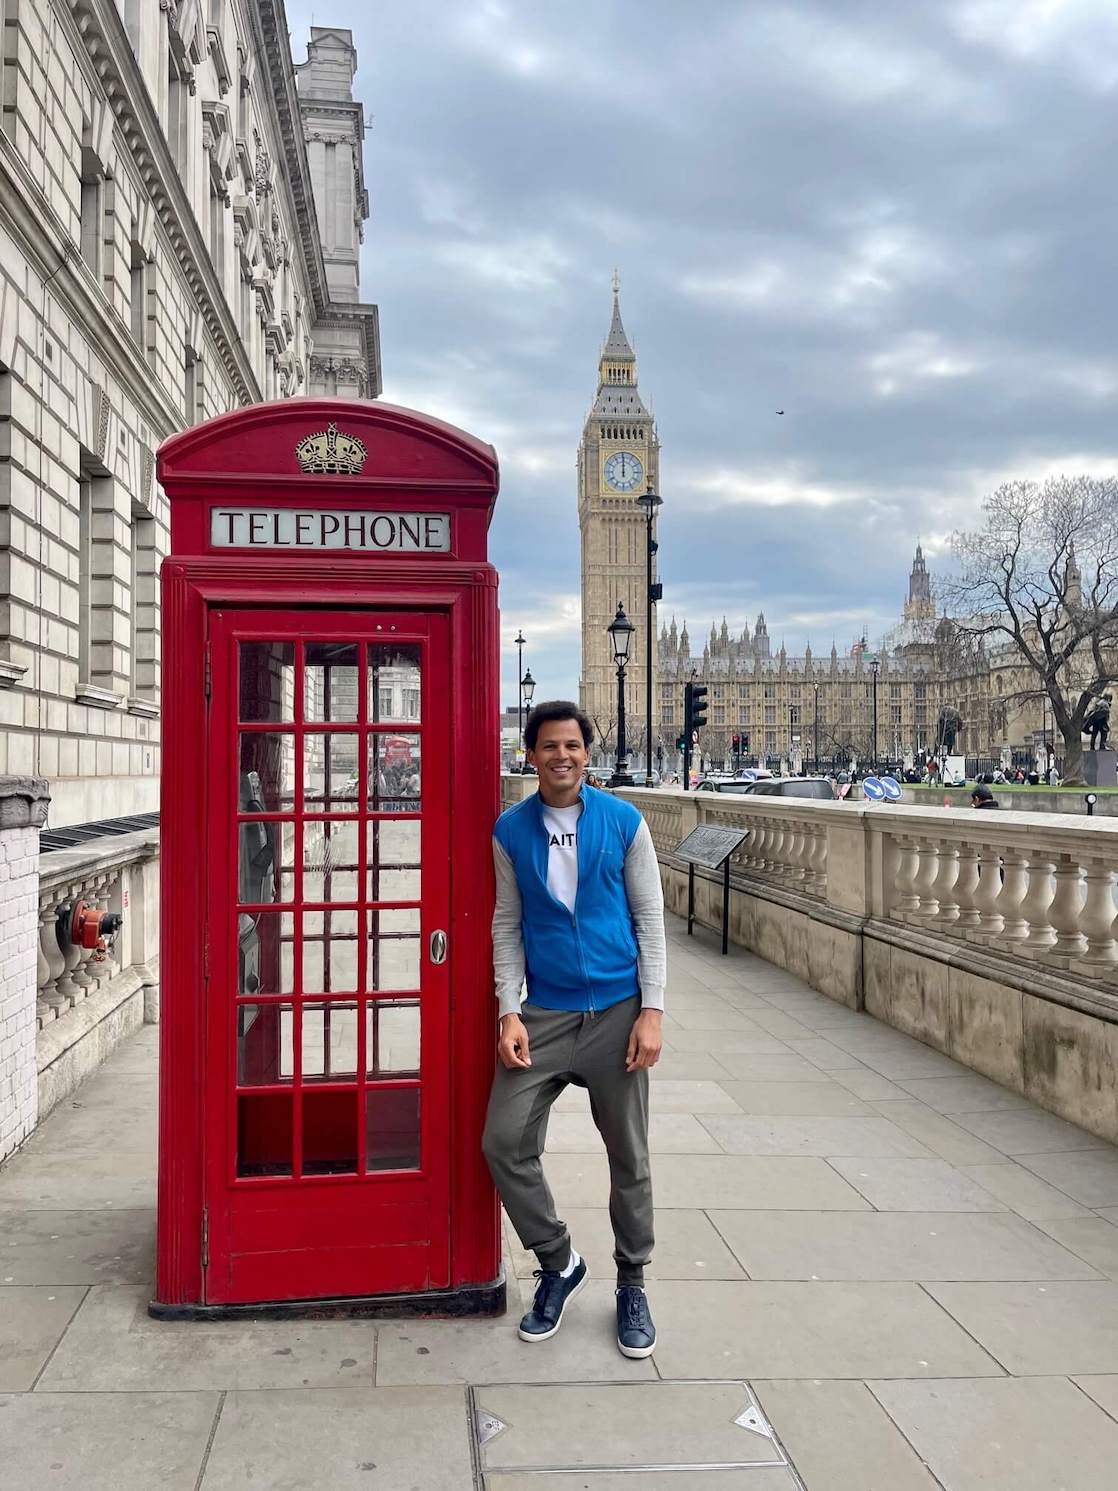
589	1051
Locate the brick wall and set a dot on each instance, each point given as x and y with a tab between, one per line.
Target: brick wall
23	805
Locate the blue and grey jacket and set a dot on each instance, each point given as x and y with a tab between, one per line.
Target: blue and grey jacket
612	944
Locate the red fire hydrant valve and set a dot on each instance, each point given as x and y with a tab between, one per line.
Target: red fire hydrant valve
86	926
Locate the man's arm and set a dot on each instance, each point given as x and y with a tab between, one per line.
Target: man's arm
646	906
508	939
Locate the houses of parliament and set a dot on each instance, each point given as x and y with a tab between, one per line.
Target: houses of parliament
815	707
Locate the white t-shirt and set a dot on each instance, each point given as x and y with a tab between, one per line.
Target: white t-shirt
561	825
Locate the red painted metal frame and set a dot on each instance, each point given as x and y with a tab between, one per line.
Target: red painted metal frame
415	464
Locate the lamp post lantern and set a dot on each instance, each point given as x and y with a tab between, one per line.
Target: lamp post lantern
621	635
875	664
519	641
650	502
527	689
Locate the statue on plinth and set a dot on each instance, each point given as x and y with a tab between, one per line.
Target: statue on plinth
1097	723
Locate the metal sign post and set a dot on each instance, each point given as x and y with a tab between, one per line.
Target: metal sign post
711	848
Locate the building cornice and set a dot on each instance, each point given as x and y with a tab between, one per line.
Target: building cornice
110	52
274	43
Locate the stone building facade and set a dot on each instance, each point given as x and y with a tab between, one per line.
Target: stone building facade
618	460
181	212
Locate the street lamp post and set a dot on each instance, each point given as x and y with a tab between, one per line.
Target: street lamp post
815	727
527	689
621	635
650	502
875	663
519	639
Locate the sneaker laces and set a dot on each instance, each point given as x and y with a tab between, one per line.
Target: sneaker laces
636	1308
549	1278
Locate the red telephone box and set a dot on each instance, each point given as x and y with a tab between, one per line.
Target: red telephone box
330	782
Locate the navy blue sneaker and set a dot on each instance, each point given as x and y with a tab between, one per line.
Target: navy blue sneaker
636	1334
552	1294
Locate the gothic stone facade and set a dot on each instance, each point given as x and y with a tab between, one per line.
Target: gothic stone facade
180	218
618	460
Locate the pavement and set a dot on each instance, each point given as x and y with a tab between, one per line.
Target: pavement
875	1271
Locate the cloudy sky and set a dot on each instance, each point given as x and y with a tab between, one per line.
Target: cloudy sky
894	221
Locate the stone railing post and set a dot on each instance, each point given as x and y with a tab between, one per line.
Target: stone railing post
23	811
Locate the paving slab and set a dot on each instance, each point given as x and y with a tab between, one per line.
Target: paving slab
1024	1133
1089	1175
693	1066
746	1066
76	1247
86	1181
767	1329
1033	1329
1093	1239
715	1017
1024	1192
579	1426
803	1099
32	1322
915	1185
350	1439
790	1135
441	1352
869	1085
105	1441
963	1094
688	1246
761	1182
113	1345
942	1135
824	1054
74	1126
840	1438
756	1478
897	1246
668	1133
1108	1213
1033	1434
1103	1390
721	1041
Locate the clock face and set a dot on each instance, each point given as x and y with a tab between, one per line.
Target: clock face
623	471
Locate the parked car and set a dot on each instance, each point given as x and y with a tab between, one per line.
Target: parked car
814	787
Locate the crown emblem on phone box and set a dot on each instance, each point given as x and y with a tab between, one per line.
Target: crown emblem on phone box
331	452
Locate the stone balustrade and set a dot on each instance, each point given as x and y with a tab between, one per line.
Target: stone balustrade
992	936
87	998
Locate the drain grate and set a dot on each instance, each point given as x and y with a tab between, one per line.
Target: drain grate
522	1433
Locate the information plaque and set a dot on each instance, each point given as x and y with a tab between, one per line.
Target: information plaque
710	846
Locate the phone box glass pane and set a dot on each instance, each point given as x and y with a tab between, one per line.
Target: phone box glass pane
264	1044
393	859
330	681
393	949
392	1038
394	684
265	952
267	681
329	1132
330	952
330	773
267	776
266	869
394	773
329	1042
329	859
264	1133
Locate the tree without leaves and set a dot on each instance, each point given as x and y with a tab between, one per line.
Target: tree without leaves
1041	575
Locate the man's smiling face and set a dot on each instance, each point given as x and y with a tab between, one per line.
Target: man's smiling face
560	758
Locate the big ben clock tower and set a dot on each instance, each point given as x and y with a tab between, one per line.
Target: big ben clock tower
618	459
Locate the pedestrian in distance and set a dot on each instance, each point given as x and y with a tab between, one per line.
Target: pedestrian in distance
579	918
982	797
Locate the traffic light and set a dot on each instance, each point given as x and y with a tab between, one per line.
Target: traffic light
680	742
736	739
698	705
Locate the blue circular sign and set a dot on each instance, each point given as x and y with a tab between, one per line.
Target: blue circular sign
873	790
892	788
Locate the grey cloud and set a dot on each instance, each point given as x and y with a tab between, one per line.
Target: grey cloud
895	222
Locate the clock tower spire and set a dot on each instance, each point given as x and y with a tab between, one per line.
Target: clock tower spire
618	459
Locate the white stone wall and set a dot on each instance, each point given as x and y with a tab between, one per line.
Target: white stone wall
159	264
19	935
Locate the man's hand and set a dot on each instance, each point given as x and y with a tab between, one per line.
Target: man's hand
512	1047
644	1041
